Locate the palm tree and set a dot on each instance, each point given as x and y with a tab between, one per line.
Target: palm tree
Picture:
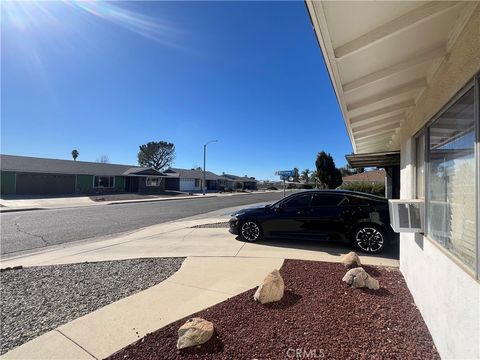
295	176
305	174
75	154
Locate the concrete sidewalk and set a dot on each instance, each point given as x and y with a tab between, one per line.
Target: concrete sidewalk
80	201
200	283
23	204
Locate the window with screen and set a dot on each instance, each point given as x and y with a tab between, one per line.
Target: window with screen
451	203
153	181
103	181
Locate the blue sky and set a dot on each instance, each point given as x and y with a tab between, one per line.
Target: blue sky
108	77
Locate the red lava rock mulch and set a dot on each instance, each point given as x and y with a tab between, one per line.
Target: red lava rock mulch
319	317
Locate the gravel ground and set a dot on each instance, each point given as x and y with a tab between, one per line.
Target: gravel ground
38	299
318	318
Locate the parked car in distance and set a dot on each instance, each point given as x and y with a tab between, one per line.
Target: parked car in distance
342	215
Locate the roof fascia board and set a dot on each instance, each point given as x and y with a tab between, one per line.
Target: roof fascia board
319	22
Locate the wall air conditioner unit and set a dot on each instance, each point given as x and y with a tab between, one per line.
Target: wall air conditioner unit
407	215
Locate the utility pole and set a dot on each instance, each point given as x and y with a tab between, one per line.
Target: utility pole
204	162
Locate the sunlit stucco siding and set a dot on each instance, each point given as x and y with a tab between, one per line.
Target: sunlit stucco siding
446	295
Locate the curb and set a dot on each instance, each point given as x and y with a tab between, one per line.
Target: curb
18	210
156	200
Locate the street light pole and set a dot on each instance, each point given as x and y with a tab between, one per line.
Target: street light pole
204	162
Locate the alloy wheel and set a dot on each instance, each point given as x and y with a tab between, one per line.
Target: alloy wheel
369	239
250	231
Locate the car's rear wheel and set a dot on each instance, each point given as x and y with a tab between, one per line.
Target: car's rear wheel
250	231
369	239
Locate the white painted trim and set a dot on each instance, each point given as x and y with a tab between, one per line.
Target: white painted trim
368	117
394	26
395	69
320	28
379	127
386	94
374	134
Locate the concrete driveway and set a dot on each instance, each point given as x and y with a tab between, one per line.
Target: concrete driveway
184	239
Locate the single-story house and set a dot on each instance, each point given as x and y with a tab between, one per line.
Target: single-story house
192	180
23	175
238	182
407	78
372	176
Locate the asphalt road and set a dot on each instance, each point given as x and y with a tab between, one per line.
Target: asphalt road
29	230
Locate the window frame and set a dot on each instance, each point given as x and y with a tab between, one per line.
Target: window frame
425	134
425	130
477	169
103	187
158	178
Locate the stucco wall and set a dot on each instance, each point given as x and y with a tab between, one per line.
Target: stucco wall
460	66
447	296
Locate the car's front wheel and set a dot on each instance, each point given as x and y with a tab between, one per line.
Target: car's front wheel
369	238
250	231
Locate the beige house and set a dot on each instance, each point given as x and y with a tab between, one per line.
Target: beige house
406	76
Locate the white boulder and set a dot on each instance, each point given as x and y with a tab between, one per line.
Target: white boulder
351	260
195	331
271	289
359	278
